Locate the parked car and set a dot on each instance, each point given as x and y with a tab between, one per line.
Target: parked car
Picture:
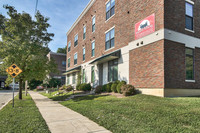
16	86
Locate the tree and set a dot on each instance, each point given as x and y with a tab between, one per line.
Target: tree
62	50
25	43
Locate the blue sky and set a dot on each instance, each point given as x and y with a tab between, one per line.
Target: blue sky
62	14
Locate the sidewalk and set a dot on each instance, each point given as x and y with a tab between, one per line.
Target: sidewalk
61	119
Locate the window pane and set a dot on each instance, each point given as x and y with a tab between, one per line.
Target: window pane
93	45
84	29
115	73
112	42
93	21
112	3
189	23
108	6
83	50
112	11
189	9
189	51
93	28
112	32
107	45
189	68
107	36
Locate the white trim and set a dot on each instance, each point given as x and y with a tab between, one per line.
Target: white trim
107	2
81	15
109	49
109	18
189	1
191	81
92	41
110	29
190	30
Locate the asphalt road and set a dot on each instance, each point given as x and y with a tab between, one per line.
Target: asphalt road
5	96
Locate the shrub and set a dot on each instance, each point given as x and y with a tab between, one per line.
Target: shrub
108	87
34	83
63	87
104	88
117	82
78	86
54	82
114	87
98	89
127	90
85	87
120	85
69	88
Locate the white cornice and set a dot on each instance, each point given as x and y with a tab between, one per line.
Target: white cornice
81	15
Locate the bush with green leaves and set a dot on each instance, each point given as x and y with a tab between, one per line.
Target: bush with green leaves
120	85
78	86
108	87
104	88
98	89
69	88
54	82
85	87
128	90
34	83
114	87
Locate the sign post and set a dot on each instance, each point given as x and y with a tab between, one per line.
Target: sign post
13	70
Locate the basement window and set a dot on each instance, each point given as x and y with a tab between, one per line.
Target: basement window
189	63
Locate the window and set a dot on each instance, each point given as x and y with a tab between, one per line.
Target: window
64	63
69	47
110	39
74	78
93	24
75	59
83	54
110	9
83	80
92	75
68	61
76	40
93	48
68	79
113	70
188	16
84	32
189	64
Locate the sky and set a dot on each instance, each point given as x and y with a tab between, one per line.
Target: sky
62	14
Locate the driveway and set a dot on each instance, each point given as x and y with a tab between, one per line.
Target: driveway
5	96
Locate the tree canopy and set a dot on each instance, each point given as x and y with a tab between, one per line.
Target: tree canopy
25	43
62	50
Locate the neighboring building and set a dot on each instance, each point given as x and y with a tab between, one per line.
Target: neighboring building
60	60
153	45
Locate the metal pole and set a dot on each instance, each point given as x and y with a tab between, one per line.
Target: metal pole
13	90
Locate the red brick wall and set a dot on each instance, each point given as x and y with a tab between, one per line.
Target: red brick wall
175	16
147	66
124	25
175	73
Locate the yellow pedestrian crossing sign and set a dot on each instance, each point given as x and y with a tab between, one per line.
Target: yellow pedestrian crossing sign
13	70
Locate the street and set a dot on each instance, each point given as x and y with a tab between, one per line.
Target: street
6	96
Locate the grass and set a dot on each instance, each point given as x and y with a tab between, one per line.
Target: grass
140	113
61	97
23	118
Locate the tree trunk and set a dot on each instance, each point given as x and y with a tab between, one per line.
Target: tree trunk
20	88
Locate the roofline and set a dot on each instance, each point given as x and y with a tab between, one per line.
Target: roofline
89	5
53	53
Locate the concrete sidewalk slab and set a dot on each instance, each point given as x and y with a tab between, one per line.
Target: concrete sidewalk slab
61	119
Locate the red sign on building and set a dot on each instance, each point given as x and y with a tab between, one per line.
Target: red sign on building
145	27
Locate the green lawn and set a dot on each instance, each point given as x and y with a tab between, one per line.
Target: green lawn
23	118
140	113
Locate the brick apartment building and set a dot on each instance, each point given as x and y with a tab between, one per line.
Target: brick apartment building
60	60
152	44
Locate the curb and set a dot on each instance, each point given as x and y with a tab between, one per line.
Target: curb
6	103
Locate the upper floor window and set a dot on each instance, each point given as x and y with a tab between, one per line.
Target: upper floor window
69	47
68	62
93	48
110	39
83	54
84	32
189	64
64	63
93	24
76	40
75	58
110	9
189	16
